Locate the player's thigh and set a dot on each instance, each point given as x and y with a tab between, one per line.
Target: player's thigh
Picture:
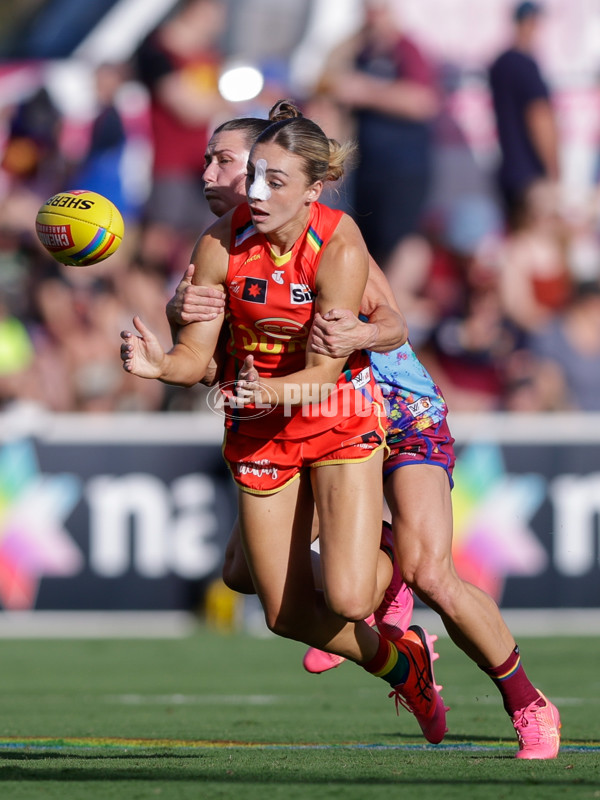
349	501
418	496
235	568
276	533
234	543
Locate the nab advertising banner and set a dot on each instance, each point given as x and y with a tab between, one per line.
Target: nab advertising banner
133	512
114	513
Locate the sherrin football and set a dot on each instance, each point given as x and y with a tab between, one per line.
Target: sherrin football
79	227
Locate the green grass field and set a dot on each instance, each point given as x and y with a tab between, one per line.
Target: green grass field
214	716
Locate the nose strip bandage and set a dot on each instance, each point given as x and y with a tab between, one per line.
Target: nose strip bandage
259	189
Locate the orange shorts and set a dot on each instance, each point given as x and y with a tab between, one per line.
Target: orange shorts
262	466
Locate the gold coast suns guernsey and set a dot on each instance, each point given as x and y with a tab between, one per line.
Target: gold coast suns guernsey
270	309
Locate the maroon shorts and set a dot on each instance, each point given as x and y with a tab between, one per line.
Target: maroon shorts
433	445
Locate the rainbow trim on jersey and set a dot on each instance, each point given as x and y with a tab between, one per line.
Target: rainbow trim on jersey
245	232
314	240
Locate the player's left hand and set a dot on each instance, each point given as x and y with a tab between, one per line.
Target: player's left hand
337	333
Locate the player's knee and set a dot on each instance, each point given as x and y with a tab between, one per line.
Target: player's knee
236	583
433	581
350	605
288	625
277	626
237	578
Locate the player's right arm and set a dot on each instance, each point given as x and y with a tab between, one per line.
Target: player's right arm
192	303
189	359
382	311
541	124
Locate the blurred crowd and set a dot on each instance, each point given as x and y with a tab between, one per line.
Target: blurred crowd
498	277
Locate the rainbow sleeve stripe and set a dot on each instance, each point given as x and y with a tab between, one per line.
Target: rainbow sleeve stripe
314	239
245	232
96	248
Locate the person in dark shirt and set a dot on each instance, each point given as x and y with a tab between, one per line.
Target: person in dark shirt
389	87
101	168
525	120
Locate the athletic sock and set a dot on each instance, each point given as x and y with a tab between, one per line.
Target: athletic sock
515	687
388	663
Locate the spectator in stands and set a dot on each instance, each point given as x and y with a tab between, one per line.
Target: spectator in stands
33	166
533	384
102	167
179	63
470	352
473	338
32	153
16	359
76	311
535	279
525	120
571	341
388	86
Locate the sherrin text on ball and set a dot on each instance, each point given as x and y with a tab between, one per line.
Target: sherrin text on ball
79	227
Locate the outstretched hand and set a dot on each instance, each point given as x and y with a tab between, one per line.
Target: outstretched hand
141	355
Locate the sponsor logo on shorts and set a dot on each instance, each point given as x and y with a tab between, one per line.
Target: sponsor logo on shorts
360	380
420	406
368	441
259	468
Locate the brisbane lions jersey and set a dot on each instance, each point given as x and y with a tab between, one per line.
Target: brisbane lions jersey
270	309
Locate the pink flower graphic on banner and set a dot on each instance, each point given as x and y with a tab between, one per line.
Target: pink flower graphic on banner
492	512
33	541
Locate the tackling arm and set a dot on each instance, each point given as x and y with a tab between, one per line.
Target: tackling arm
339	332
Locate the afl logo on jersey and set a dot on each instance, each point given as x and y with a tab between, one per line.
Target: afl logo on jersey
281	328
301	293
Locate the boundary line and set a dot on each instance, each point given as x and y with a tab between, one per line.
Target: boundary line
91	743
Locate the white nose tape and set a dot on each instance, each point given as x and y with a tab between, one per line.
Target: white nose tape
259	189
